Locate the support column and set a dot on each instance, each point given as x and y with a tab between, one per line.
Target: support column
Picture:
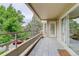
59	34
44	28
67	30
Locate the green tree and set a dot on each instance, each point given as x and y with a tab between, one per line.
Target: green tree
10	21
74	29
34	26
2	12
13	20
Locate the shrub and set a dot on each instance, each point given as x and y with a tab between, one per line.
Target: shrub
23	35
5	38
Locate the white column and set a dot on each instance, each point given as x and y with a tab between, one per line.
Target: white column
44	28
67	30
63	30
59	35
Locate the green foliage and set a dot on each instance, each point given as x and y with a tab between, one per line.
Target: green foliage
5	38
74	30
24	35
10	21
34	26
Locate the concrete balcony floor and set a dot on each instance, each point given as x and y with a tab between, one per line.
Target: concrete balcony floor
46	47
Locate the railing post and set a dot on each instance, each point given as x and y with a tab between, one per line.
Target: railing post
15	40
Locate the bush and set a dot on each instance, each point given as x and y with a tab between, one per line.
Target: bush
24	35
5	38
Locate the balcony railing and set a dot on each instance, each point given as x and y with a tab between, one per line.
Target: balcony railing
16	46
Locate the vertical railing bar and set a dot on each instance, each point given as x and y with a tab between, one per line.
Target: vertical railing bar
15	40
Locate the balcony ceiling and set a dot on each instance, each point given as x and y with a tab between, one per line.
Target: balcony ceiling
50	10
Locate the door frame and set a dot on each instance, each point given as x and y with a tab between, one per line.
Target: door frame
52	35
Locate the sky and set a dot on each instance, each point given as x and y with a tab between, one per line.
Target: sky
24	9
77	20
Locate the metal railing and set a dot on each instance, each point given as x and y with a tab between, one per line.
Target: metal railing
12	40
25	47
16	42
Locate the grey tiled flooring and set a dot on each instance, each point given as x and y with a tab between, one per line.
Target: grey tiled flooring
46	47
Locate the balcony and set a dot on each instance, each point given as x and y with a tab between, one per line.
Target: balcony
36	46
51	38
